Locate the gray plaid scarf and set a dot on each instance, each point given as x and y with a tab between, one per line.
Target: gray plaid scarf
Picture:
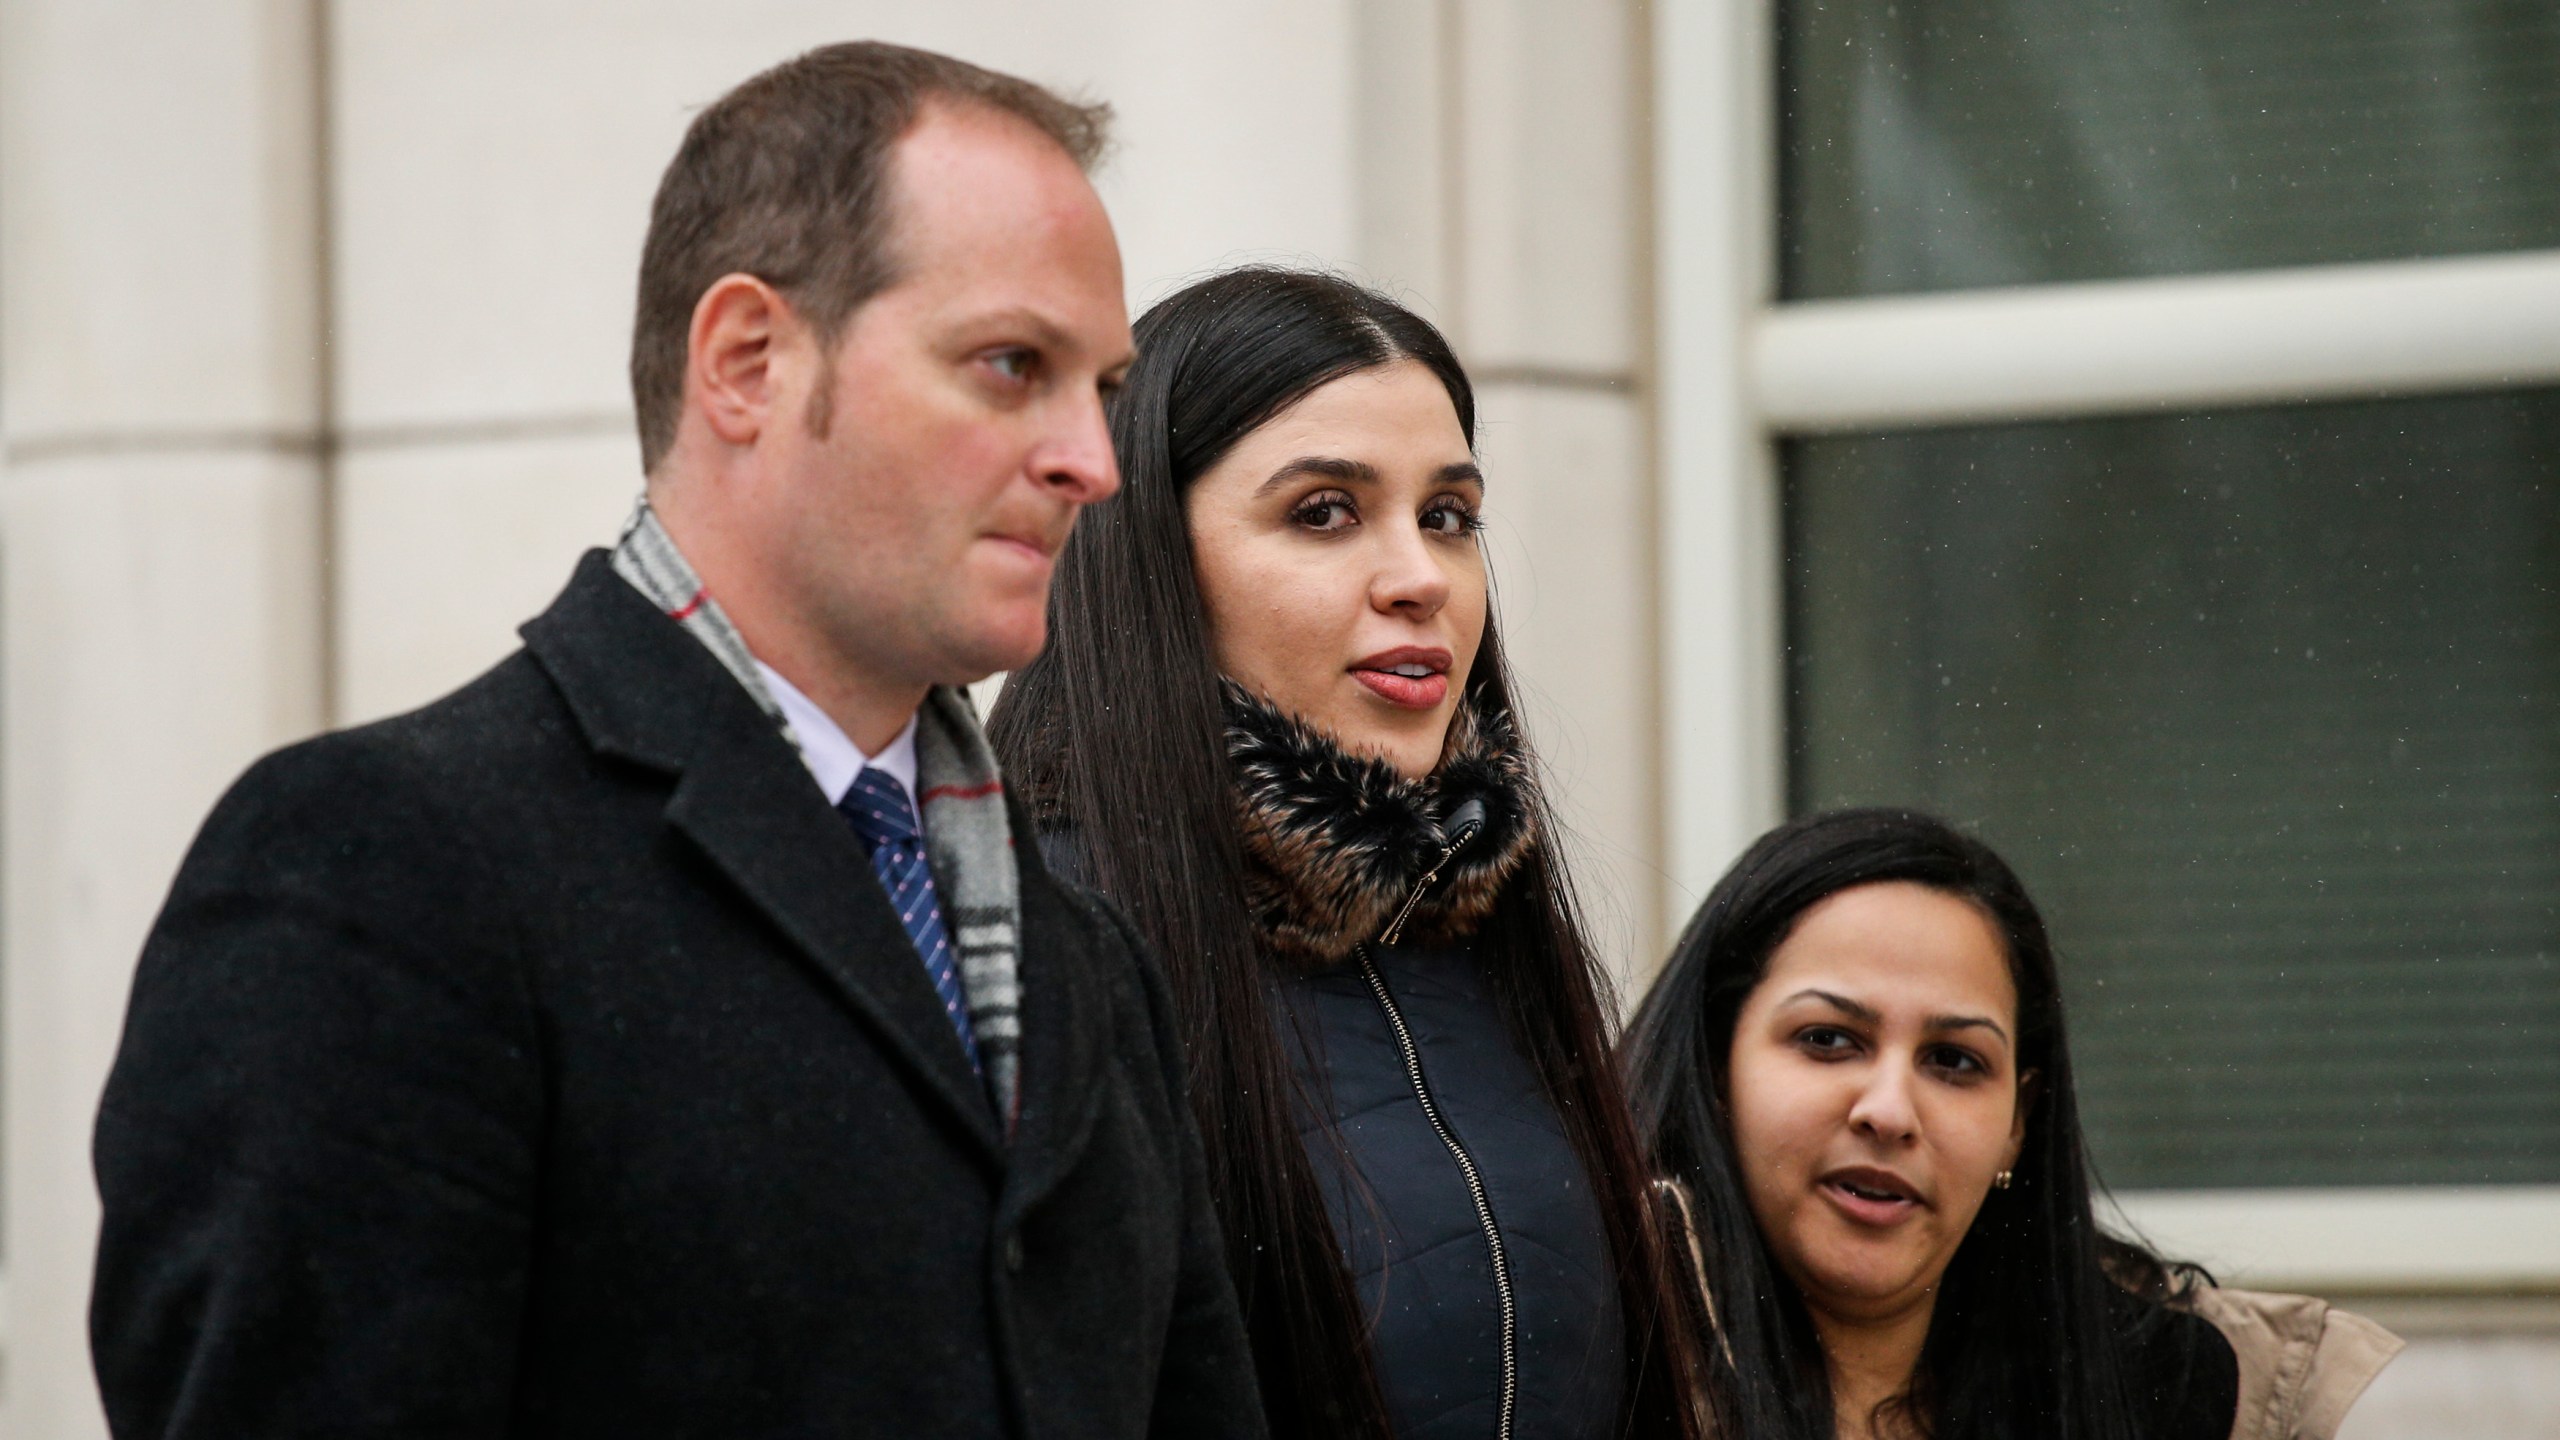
960	801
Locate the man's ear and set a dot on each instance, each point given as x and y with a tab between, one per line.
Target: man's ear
741	326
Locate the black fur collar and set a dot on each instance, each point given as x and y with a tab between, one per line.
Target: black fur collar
1335	842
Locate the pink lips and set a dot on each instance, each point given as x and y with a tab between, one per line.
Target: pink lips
1870	1196
1412	692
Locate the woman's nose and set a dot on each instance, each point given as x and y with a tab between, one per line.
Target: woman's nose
1410	579
1884	1108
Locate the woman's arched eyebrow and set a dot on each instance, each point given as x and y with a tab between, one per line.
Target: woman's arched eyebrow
1348	472
1842	1003
1868	1014
1938	1023
1359	472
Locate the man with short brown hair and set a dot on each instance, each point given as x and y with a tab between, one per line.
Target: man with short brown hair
674	1031
786	178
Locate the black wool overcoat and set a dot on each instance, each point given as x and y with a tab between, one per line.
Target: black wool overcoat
548	1062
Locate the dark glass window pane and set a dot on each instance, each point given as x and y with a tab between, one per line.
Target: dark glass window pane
2265	705
1941	144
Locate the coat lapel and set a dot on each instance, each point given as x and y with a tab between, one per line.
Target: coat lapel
747	801
644	690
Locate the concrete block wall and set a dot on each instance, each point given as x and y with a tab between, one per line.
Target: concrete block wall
160	562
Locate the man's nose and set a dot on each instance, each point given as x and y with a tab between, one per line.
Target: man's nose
1075	458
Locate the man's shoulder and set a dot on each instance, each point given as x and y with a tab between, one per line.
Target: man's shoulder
489	742
1060	863
1117	958
508	713
407	836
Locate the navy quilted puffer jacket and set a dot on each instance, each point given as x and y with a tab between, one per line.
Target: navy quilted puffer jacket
1407	1216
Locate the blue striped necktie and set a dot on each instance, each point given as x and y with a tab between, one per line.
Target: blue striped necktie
881	814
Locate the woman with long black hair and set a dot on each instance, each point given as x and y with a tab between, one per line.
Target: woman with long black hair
1273	724
1855	1061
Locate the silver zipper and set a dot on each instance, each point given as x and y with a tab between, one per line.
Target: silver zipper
1422	886
1466	1163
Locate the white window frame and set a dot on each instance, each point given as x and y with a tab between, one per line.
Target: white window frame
1737	371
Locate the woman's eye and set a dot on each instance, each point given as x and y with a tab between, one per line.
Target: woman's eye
1451	518
1958	1061
1012	364
1324	512
1825	1041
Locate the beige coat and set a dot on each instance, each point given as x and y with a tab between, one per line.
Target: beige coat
2302	1361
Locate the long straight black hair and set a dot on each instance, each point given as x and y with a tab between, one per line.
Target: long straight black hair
2039	1307
1117	732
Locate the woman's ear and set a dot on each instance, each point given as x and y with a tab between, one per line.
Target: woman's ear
2030	1087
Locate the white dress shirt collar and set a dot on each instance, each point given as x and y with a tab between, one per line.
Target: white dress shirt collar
832	757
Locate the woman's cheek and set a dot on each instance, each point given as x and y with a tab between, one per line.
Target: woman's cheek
1770	1119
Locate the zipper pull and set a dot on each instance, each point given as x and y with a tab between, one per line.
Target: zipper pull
1459	828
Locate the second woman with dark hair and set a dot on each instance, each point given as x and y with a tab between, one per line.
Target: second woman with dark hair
1856	1059
1273	724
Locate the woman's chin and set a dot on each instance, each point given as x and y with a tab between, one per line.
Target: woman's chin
1865	1285
1411	741
1412	756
